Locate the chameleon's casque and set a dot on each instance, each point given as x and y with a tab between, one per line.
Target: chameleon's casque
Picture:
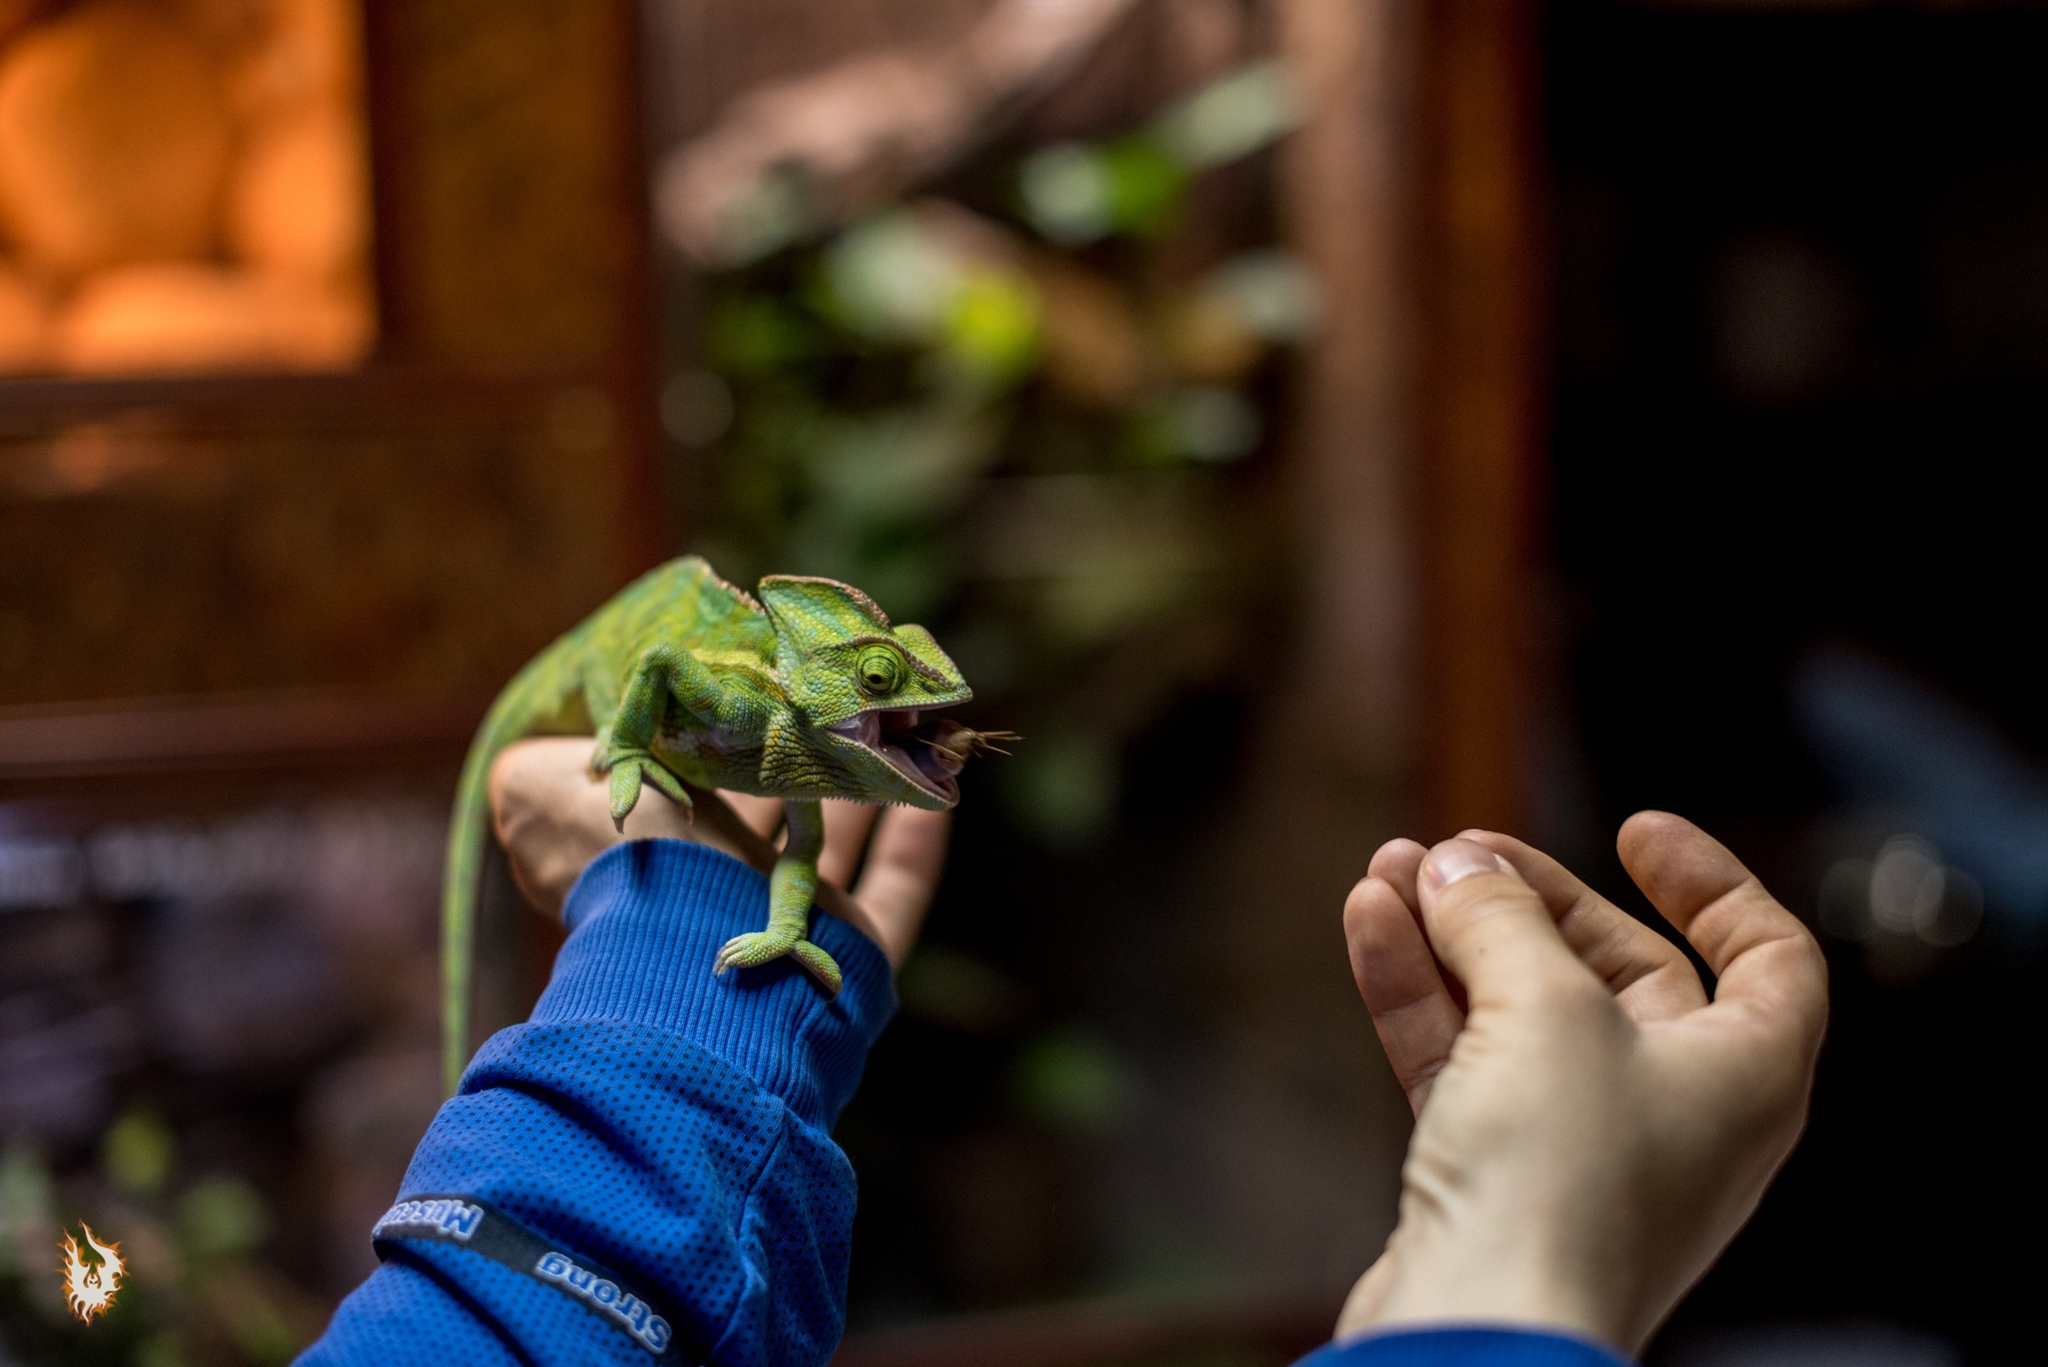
804	693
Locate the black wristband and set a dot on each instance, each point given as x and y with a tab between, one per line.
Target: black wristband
482	1228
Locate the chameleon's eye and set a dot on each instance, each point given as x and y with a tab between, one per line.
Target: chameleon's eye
881	670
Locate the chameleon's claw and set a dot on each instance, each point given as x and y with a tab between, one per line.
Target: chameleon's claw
819	964
751	949
629	769
764	946
625	794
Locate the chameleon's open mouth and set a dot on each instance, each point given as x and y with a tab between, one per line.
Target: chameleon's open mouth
914	747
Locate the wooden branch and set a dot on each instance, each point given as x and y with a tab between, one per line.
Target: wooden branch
796	155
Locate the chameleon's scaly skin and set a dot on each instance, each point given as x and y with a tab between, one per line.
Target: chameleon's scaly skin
807	693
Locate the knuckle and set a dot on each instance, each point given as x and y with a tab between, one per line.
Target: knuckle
1485	895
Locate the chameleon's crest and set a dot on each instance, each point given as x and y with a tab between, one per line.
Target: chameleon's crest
741	596
926	657
822	617
810	613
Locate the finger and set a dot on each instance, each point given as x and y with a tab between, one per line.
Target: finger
548	776
1769	966
1491	930
1647	974
714	823
1397	977
1396	864
549	816
1362	1307
837	901
904	862
764	814
846	835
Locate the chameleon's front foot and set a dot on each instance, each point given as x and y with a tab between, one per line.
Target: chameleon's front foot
764	946
629	767
790	890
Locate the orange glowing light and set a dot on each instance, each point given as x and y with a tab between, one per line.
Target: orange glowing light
90	1287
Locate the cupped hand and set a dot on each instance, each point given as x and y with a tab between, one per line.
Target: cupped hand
553	816
1591	1130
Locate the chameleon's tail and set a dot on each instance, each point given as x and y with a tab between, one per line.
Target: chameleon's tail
468	829
466	834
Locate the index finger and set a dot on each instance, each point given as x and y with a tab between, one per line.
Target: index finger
1646	973
763	815
904	862
846	835
1766	960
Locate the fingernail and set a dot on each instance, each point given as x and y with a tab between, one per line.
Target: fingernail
1455	859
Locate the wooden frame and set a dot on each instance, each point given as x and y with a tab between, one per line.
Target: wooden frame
1481	409
1415	196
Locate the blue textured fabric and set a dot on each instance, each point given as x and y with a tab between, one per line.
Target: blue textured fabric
658	1120
1465	1346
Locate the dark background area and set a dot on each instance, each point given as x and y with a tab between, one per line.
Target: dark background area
1801	321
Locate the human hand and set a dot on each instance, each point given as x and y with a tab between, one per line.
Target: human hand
553	817
1590	1130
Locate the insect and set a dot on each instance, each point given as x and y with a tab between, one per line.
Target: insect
955	744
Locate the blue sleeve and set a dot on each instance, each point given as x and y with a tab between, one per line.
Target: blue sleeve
1465	1346
666	1126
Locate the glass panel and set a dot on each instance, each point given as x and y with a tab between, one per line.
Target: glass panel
183	188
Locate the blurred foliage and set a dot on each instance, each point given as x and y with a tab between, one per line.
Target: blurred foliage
137	1152
1027	416
955	989
198	1290
1070	1079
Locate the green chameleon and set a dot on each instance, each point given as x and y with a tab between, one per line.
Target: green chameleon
807	693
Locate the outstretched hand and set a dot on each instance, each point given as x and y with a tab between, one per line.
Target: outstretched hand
1591	1130
553	817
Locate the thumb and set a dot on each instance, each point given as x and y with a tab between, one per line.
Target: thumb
1489	927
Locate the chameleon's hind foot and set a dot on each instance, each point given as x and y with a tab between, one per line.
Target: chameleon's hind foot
630	768
764	946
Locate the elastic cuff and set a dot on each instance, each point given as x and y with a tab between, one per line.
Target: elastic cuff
1466	1346
646	921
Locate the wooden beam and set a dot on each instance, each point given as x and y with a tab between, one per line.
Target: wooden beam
160	736
1348	192
1480	409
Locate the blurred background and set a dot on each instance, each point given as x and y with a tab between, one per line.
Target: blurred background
1306	421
